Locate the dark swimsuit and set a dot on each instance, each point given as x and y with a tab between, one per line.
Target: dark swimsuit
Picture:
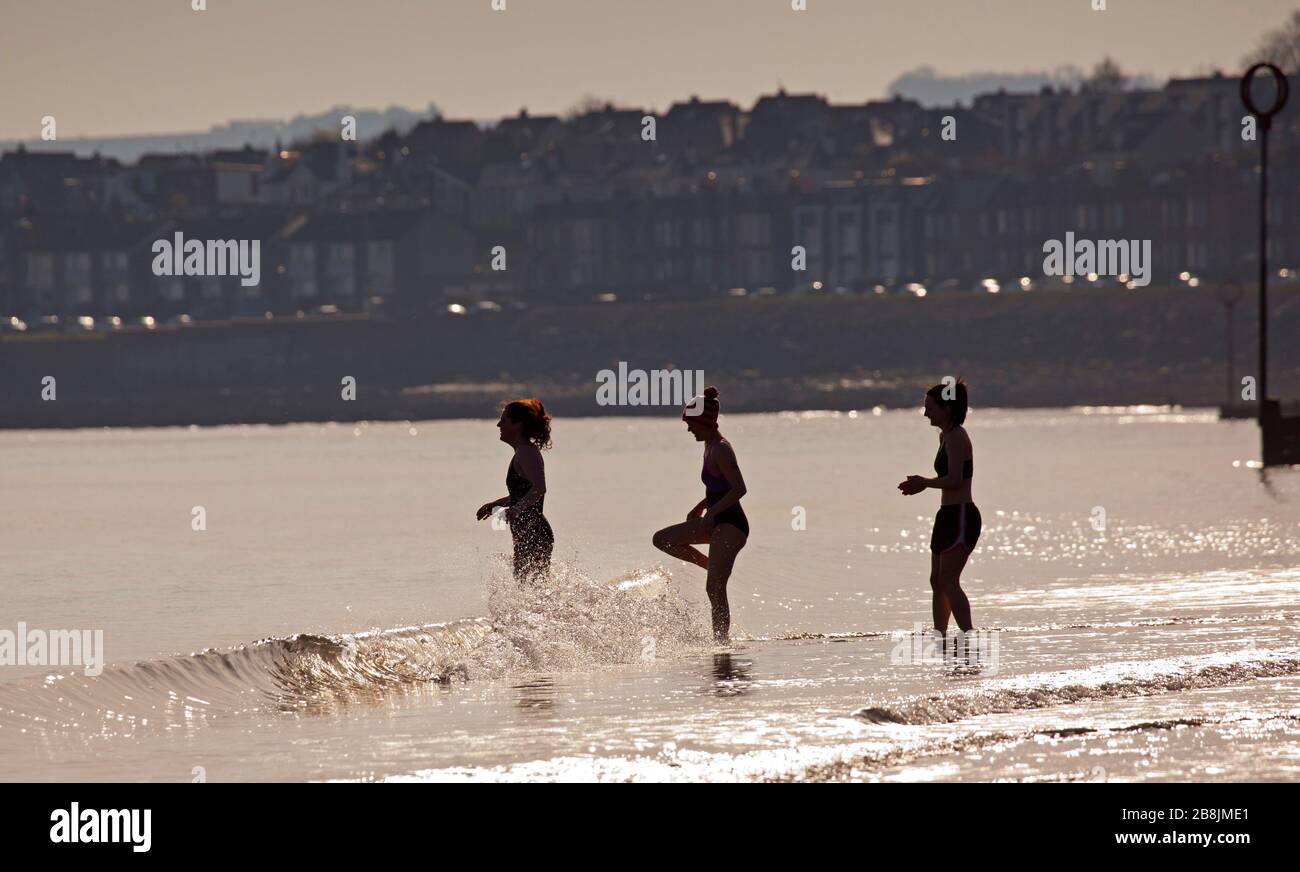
715	488
532	534
959	523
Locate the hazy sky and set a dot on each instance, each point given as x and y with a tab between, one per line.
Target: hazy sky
150	66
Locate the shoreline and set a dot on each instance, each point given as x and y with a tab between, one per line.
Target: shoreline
1131	409
1160	347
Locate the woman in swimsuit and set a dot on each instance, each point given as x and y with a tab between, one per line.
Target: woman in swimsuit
717	520
526	428
957	526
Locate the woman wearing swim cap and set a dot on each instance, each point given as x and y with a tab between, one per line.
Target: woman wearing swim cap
717	520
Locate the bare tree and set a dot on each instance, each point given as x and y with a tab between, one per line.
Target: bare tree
1106	76
1280	46
587	104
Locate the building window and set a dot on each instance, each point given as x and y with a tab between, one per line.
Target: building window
171	289
340	269
701	232
668	233
586	236
76	277
702	270
40	272
755	229
380	269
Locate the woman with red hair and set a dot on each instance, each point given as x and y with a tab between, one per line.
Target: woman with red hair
526	427
718	519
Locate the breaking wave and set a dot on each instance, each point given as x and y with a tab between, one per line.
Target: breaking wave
1113	681
569	623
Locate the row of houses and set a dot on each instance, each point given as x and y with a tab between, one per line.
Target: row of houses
954	232
854	237
586	207
75	265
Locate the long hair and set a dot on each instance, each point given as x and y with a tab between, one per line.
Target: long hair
532	414
956	407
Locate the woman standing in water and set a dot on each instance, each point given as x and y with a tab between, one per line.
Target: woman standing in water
526	428
957	525
718	519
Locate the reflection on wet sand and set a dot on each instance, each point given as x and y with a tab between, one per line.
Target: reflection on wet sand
537	694
730	675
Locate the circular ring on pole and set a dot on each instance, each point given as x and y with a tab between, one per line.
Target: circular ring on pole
1283	91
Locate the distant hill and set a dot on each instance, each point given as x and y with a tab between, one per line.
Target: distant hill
931	89
234	134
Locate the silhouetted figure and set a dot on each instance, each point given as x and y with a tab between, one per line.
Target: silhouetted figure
526	428
718	519
957	525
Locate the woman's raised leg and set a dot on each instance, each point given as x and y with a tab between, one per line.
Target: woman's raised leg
677	540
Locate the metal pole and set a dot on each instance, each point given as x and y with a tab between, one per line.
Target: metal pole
1228	363
1265	120
1263	268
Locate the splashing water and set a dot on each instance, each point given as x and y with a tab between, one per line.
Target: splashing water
571	622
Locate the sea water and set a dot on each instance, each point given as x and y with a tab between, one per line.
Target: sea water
340	614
